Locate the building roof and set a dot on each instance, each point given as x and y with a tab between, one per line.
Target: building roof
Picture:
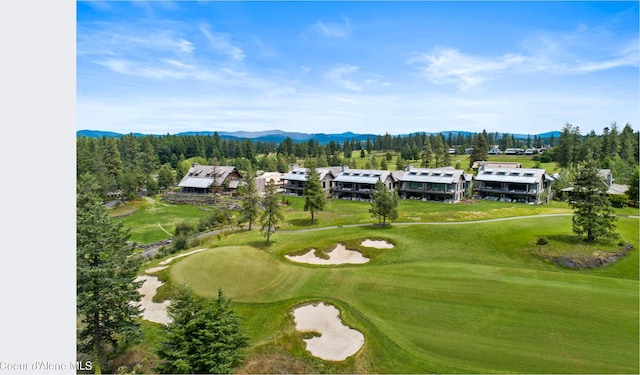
203	176
196	182
300	174
363	176
496	164
517	175
433	175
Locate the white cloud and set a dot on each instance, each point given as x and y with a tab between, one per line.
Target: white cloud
343	76
583	50
448	65
221	43
333	29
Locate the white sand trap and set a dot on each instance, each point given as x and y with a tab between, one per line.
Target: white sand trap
155	269
339	255
337	341
378	244
169	260
154	312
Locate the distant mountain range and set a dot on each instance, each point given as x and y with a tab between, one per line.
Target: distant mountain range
278	136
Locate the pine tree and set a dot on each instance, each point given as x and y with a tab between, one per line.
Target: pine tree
166	176
427	154
272	212
105	271
634	186
384	203
480	149
314	198
204	336
592	209
250	200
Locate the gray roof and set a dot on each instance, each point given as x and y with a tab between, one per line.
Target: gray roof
433	175
196	182
517	175
300	174
203	176
362	176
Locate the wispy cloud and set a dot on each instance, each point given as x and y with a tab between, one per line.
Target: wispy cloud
449	66
582	50
114	40
333	29
220	42
342	76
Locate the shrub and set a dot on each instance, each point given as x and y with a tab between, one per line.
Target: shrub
618	200
179	243
217	219
542	241
184	228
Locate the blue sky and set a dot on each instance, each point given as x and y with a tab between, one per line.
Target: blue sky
370	67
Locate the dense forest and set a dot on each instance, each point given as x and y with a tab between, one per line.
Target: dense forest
129	163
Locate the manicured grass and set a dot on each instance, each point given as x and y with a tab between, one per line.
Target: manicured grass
459	298
346	212
155	220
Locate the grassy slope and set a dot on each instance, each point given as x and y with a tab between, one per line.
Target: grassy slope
481	303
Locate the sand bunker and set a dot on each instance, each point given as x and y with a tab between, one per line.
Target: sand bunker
339	255
378	244
336	342
154	312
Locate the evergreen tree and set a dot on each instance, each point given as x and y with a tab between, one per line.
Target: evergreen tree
272	212
112	163
204	336
427	154
384	203
438	151
592	209
166	176
480	150
383	164
105	269
250	200
314	198
634	186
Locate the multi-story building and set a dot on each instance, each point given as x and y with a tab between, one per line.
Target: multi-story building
525	185
432	184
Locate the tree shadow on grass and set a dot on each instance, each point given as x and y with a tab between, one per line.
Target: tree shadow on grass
302	222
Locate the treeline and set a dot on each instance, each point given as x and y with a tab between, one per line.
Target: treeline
129	163
614	149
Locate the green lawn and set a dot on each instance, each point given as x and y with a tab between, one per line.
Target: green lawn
459	298
154	220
